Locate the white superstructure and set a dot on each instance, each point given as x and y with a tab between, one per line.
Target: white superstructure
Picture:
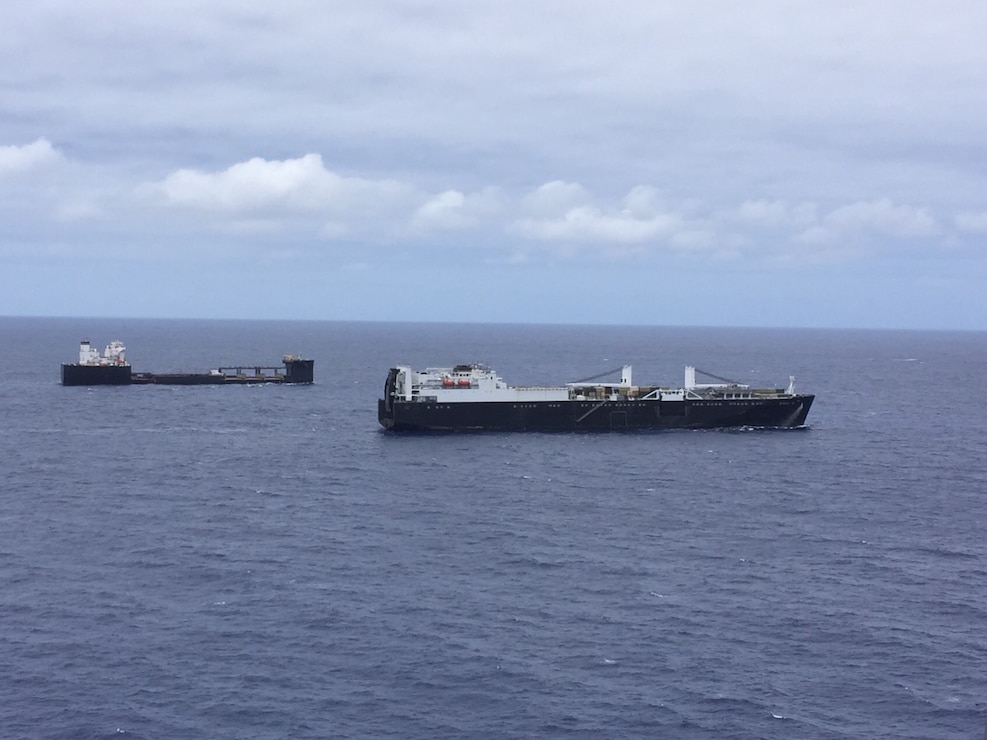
466	383
114	354
477	383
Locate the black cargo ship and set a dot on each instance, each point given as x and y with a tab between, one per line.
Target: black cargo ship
112	368
473	398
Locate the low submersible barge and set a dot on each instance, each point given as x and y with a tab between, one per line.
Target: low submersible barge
112	368
473	398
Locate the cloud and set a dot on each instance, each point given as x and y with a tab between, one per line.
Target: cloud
971	222
39	187
260	186
816	235
850	132
642	201
774	214
40	154
451	210
882	216
555	198
565	212
259	200
590	224
444	210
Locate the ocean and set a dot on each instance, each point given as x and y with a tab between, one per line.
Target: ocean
267	562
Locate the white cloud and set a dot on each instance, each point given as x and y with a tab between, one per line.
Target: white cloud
642	201
775	214
37	155
451	210
300	185
882	216
444	210
696	240
258	199
555	198
565	212
590	224
816	235
971	222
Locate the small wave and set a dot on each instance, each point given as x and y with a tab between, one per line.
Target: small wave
940	551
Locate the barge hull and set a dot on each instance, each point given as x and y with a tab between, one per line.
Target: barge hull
295	371
568	416
73	374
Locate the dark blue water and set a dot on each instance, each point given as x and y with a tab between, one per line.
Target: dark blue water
262	562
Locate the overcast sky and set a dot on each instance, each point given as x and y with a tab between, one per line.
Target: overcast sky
630	161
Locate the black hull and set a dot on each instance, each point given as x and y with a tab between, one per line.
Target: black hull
179	379
571	416
299	371
95	374
295	372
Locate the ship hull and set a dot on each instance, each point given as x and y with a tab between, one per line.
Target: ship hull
73	374
568	416
179	379
295	372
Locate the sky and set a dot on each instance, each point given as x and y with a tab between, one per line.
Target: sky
709	163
